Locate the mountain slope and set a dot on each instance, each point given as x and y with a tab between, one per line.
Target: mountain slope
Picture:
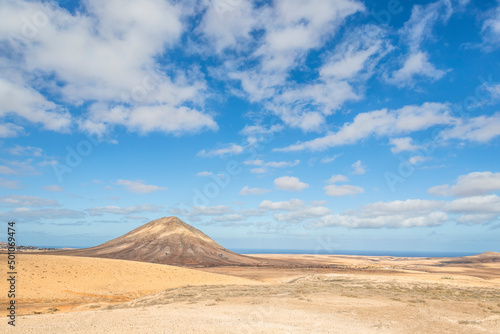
167	240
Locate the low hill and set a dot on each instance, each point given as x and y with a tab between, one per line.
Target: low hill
167	240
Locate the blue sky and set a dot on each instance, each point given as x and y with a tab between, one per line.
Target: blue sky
285	124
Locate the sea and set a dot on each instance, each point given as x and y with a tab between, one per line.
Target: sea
355	252
340	252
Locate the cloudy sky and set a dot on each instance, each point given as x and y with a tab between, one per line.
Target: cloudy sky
307	124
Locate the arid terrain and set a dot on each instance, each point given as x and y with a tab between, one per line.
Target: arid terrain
62	294
119	287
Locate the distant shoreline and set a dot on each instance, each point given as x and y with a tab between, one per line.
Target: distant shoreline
394	253
355	252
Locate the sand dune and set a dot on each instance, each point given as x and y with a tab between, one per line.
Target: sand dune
65	282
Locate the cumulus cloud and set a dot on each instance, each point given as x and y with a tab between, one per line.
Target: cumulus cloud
296	210
204	174
29	215
337	178
10	130
228	218
341	190
402	144
414	33
270	164
380	123
490	30
246	190
358	168
99	211
479	129
327	160
26	150
289	30
290	183
417	159
416	64
472	184
258	133
53	187
23	200
139	186
303	214
9	184
231	149
6	170
284	205
395	214
104	55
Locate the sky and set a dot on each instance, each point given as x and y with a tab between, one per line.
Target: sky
287	124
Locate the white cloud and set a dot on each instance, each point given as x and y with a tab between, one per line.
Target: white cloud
417	159
297	210
480	129
490	30
326	160
204	174
104	53
6	170
290	183
260	170
302	214
9	130
341	79
28	214
217	210
246	190
337	178
415	32
53	188
139	186
259	133
393	221
379	123
26	150
395	214
402	144
358	168
9	184
475	205
288	31
290	205
20	167
228	218
23	200
29	104
343	190
472	184
228	150
145	119
98	211
422	21
273	164
416	64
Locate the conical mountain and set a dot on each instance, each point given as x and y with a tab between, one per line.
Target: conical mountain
167	240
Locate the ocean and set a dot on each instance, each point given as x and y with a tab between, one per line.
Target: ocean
356	252
340	252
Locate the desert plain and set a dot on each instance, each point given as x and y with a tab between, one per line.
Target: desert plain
291	294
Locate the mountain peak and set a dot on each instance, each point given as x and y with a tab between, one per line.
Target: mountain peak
167	240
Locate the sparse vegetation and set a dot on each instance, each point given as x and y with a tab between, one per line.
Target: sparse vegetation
469	322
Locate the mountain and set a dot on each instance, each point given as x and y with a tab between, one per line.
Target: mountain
167	240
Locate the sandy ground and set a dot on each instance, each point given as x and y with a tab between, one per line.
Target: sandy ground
45	282
357	295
